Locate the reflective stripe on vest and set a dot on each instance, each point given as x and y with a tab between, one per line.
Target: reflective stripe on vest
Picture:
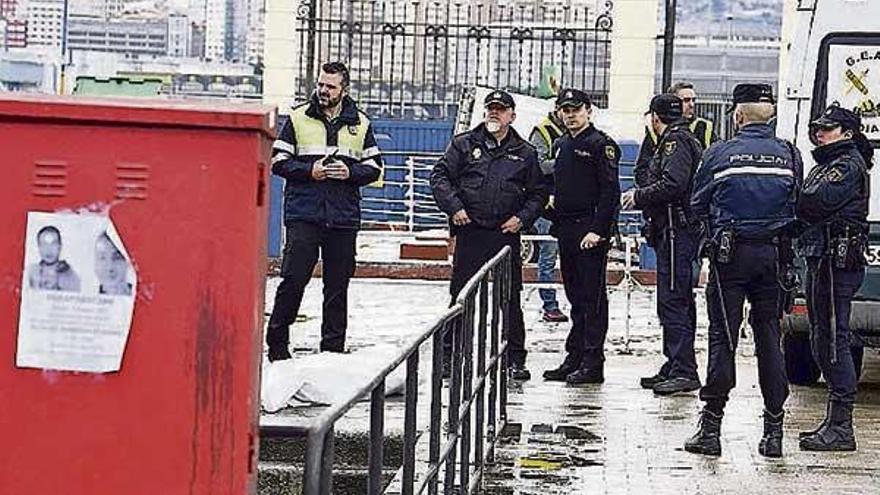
311	137
705	139
549	132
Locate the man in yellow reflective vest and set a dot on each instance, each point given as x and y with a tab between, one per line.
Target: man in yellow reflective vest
701	128
542	138
326	152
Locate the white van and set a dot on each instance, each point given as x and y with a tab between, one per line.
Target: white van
833	58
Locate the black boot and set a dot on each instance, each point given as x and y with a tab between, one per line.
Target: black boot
648	382
771	442
278	353
804	434
707	439
586	374
837	434
571	363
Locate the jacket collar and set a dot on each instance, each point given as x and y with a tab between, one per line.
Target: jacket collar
681	123
756	130
483	137
348	115
830	152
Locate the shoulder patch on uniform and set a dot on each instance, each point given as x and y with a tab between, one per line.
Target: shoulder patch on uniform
610	152
669	148
834	175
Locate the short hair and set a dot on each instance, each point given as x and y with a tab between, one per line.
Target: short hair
680	85
47	229
338	68
756	112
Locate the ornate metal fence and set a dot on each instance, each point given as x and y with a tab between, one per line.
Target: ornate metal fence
412	58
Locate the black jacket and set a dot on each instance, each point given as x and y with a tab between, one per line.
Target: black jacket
667	179
491	181
587	185
835	194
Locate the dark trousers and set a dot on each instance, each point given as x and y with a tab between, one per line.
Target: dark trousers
474	246
583	275
337	251
676	306
841	375
752	275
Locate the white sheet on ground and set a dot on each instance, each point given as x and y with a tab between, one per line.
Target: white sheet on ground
326	378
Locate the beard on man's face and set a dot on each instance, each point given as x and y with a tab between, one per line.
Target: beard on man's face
327	101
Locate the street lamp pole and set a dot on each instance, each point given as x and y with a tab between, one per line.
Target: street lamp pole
63	46
668	43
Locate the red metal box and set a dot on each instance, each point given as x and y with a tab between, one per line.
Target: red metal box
185	187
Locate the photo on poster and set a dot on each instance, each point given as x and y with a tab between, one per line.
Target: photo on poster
78	292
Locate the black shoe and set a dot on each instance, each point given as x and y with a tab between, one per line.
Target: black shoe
707	439
586	375
279	353
648	382
805	434
555	316
837	434
771	443
518	372
676	385
571	364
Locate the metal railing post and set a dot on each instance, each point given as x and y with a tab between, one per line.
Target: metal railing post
467	339
505	329
481	371
454	403
493	351
315	462
409	423
436	404
377	438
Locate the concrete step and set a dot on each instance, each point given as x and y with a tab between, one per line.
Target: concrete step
284	479
282	459
350	448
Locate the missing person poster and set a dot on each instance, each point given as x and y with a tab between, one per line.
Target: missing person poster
78	293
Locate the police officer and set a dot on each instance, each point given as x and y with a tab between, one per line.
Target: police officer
702	129
489	183
584	214
543	136
834	205
662	192
745	193
326	152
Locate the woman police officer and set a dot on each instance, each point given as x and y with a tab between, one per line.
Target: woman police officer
833	205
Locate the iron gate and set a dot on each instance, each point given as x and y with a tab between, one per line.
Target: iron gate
412	58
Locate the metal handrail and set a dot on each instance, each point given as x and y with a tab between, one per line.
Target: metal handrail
463	393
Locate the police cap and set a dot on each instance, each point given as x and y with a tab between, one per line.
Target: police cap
667	106
835	116
573	98
751	93
499	97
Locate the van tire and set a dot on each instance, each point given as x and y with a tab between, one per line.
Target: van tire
800	367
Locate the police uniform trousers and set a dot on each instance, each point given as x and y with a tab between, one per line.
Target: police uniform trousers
840	375
474	246
676	306
583	276
751	274
337	251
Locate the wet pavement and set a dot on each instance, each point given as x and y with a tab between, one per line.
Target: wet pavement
616	437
